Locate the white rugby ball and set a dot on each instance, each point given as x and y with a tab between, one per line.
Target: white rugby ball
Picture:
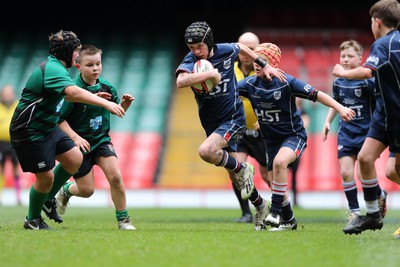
205	87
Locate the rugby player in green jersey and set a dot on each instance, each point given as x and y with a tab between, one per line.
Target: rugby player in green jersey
89	126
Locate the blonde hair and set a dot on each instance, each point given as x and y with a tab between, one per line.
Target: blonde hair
354	44
88	50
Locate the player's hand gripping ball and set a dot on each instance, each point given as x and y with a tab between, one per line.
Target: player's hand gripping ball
205	87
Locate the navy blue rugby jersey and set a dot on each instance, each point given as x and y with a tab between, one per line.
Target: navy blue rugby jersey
359	95
274	103
384	60
222	104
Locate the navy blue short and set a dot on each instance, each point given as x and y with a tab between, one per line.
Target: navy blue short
89	160
388	139
231	132
348	151
298	145
394	141
379	134
40	156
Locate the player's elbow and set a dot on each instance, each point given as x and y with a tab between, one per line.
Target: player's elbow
182	80
368	73
180	83
71	93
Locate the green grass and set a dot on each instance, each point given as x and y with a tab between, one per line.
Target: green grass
193	237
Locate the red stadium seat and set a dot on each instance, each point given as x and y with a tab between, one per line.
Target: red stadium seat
291	60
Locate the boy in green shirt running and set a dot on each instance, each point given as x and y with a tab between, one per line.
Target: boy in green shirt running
89	126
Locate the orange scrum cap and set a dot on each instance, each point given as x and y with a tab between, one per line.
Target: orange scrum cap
270	52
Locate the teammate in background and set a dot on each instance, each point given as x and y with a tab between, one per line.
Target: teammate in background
358	95
34	130
7	106
283	131
383	63
295	165
89	127
251	144
221	110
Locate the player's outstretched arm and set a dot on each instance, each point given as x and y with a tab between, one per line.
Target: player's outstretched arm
347	114
359	73
80	95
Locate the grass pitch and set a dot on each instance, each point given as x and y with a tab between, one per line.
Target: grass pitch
193	237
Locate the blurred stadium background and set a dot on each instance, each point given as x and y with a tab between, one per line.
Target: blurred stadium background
158	139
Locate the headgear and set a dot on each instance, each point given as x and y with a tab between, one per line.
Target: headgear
63	44
199	32
269	51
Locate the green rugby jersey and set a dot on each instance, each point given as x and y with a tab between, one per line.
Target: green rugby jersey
38	110
90	122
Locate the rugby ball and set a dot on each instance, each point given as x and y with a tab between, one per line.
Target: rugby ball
205	87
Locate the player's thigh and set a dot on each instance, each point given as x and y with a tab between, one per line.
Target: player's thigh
109	165
71	159
106	158
371	149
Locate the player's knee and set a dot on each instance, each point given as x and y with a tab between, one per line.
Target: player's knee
280	164
347	175
73	161
365	159
115	179
206	153
86	192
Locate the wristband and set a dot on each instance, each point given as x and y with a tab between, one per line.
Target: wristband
261	62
